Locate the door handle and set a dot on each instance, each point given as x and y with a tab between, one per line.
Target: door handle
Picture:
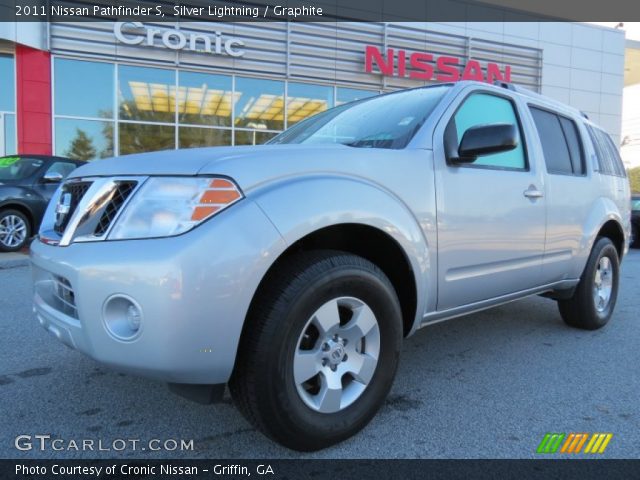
533	193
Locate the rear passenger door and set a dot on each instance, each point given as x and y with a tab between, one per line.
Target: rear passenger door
569	190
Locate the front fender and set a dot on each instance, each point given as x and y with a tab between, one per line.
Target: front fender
302	205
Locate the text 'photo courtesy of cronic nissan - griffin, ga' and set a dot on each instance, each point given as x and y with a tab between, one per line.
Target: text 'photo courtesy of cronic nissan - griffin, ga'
292	271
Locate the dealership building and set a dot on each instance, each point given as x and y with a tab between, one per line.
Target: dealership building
97	89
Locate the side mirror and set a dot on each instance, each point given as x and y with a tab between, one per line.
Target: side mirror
485	140
52	177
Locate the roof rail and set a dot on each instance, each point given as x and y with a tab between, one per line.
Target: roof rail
507	85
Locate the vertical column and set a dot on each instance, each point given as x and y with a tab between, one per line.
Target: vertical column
33	85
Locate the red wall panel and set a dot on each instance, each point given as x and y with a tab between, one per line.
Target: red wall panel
33	84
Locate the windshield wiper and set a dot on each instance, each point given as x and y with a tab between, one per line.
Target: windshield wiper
372	143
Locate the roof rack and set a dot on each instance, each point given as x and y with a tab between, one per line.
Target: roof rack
507	85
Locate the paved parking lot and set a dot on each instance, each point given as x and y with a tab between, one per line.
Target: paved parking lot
486	385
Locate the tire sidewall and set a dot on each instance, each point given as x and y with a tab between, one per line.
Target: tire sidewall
5	213
380	297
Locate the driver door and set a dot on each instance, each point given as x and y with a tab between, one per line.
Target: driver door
490	213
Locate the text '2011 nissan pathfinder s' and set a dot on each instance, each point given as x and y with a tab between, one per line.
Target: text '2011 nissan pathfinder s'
292	271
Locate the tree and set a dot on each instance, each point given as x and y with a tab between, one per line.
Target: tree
81	147
634	179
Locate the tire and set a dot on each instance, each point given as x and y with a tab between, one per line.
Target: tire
603	268
284	326
15	230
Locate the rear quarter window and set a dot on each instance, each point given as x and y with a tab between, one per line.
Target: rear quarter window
607	154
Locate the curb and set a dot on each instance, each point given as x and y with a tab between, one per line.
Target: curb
15	263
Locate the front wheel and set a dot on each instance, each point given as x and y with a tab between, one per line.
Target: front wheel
319	351
595	297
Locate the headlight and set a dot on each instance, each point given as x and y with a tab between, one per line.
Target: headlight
165	206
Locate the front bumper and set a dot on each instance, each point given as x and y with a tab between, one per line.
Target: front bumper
194	291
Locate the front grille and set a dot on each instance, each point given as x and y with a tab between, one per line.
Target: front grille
75	192
65	295
120	195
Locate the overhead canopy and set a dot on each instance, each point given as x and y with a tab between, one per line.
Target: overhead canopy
632	63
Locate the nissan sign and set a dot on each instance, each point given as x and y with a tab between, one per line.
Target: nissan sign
426	66
135	33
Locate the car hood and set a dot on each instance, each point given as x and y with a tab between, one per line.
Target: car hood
251	166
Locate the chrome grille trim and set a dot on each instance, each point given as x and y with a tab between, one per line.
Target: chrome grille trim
75	191
84	221
118	198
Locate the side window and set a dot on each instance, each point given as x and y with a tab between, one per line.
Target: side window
63	168
609	161
483	109
572	136
555	147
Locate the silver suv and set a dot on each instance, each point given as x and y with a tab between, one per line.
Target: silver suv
292	271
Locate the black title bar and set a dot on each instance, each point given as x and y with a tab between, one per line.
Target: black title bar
318	10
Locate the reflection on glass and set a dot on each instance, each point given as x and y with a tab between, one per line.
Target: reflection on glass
204	99
146	94
248	137
83	89
190	137
7	83
259	103
346	95
305	100
10	147
137	138
387	121
83	139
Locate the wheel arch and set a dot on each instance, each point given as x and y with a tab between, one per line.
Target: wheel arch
368	242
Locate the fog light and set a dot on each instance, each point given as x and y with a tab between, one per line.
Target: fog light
133	316
122	317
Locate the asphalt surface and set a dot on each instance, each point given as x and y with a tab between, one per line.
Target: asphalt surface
488	385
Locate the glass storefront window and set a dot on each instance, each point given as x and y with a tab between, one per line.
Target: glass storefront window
253	137
139	138
159	109
305	100
9	138
191	137
204	99
146	94
259	104
83	89
7	83
83	139
346	95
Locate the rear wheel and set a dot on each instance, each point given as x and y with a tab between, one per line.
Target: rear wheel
319	351
15	230
595	297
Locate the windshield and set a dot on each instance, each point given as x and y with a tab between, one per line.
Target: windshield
386	121
17	168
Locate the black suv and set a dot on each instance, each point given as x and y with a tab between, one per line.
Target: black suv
27	182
